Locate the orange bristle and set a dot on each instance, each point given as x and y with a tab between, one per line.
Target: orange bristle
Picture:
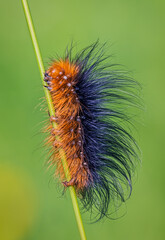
61	81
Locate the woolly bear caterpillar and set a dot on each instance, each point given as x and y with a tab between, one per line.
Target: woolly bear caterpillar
87	95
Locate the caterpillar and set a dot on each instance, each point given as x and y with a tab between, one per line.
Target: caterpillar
90	97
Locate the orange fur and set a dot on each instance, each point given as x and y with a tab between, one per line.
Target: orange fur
62	79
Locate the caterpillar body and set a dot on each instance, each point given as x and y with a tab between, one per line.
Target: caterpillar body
89	96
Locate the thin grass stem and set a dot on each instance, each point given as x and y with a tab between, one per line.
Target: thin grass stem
52	113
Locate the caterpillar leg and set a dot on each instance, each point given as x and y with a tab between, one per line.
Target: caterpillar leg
53	119
73	181
47	77
70	183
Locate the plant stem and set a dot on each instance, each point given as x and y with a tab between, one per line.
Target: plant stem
52	113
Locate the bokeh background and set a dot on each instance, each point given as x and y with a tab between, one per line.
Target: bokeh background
31	206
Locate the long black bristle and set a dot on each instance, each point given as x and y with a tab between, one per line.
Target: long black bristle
109	149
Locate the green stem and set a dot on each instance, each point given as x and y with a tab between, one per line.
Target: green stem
52	113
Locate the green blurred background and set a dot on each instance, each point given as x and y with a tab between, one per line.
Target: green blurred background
31	206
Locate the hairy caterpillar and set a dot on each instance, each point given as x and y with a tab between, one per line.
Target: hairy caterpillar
89	97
